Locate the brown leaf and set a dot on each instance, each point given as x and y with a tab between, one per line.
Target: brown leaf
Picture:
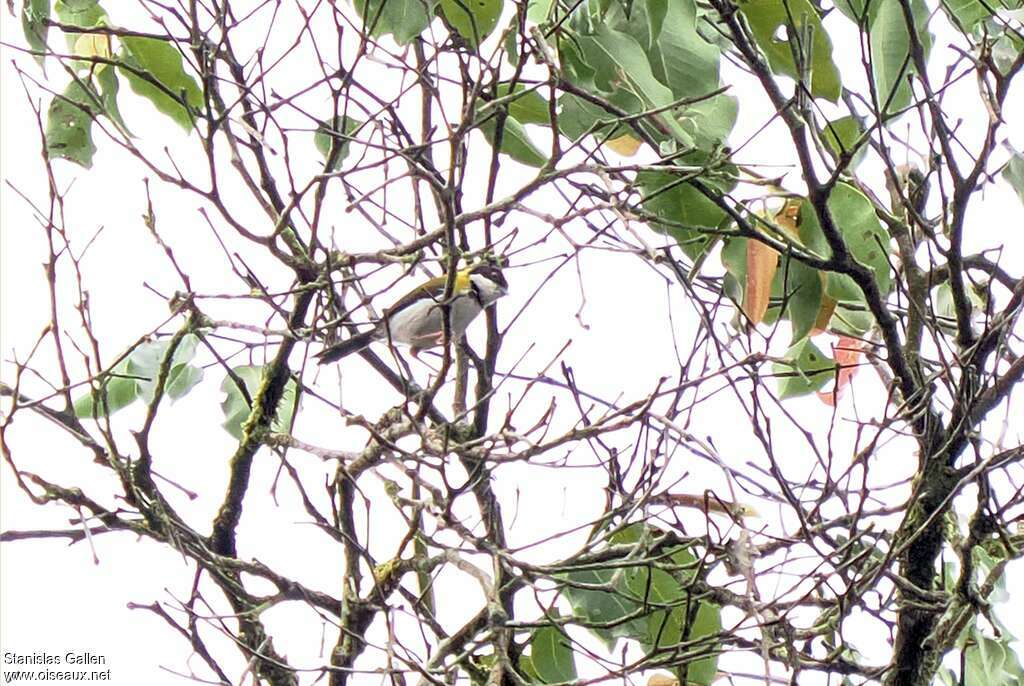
828	308
762	263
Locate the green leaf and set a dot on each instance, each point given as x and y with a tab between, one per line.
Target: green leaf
403	19
1013	174
659	588
801	288
805	371
119	392
236	409
621	61
599	607
81	13
850	322
657	596
34	14
340	133
710	121
841	137
770	19
69	125
684	209
578	117
538	11
551	656
968	13
528	107
145	361
854	217
891	63
162	61
515	141
656	11
984	661
474	20
680	58
182	379
106	78
857	11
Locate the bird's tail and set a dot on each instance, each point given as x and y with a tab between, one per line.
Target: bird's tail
346	347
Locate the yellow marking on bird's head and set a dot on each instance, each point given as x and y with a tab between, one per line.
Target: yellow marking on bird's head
462	281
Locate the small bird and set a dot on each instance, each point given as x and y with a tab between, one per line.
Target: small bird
417	319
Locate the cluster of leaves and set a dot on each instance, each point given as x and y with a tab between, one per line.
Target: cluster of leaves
643	595
154	68
135	377
986	660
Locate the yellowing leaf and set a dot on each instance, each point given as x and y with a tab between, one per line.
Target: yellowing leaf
625	145
93	45
788	218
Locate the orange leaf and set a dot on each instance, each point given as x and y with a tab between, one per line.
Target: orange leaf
846	352
762	263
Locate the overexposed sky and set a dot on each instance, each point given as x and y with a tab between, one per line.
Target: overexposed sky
56	599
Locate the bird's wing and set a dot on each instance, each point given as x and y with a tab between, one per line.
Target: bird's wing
434	288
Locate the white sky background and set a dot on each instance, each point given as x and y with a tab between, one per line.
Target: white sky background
55	599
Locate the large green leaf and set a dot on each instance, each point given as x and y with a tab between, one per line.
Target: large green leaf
81	13
990	661
680	58
710	121
34	14
551	656
527	106
805	370
515	141
578	117
601	607
800	288
69	125
891	63
474	20
237	410
164	64
620	62
684	209
145	362
968	13
854	216
655	587
538	11
403	19
776	23
116	392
